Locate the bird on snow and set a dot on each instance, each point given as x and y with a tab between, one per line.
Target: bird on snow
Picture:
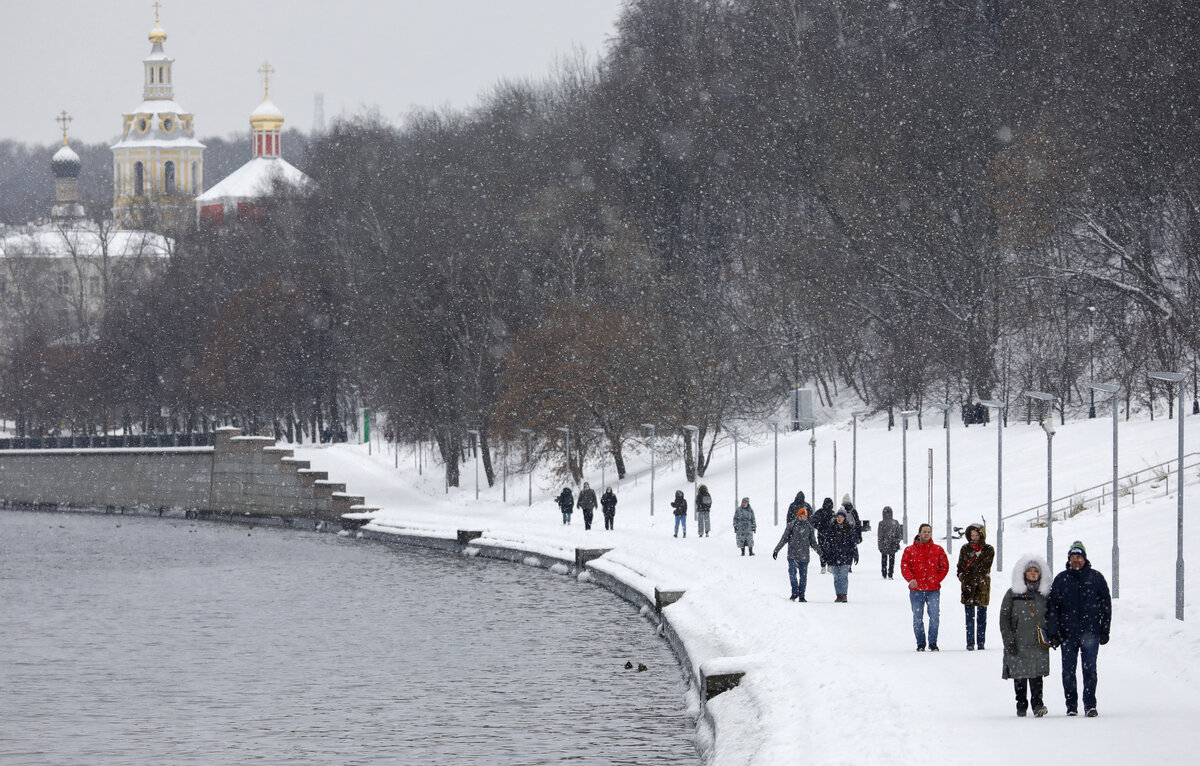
628	665
641	667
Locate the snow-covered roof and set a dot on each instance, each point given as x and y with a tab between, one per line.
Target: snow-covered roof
267	109
154	137
83	239
255	179
65	154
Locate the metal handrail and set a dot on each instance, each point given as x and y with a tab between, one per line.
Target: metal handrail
1100	492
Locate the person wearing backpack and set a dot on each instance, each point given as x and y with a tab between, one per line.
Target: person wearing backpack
703	511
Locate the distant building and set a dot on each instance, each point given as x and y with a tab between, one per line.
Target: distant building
238	195
158	165
56	276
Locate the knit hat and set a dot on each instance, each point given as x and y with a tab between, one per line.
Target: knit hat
1077	547
846	499
745	499
802	512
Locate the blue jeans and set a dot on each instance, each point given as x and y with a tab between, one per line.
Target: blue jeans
681	521
976	624
841	578
921	600
798	574
1089	647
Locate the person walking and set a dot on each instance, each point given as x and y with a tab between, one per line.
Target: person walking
744	526
587	501
822	519
680	506
566	504
1078	617
703	511
888	538
924	565
975	573
800	538
798	503
852	515
841	552
1023	631
608	506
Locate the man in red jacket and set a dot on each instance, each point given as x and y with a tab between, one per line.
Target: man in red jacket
925	565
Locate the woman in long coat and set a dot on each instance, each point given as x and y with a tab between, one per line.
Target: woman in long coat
566	504
1022	614
744	526
975	573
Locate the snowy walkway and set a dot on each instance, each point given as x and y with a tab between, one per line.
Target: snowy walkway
834	683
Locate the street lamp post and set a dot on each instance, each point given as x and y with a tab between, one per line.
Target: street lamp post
694	431
854	416
904	416
650	427
529	459
1177	378
812	447
998	406
1112	389
945	408
603	468
775	428
1048	427
476	444
1091	359
566	431
736	491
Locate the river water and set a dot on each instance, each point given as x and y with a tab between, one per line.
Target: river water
127	640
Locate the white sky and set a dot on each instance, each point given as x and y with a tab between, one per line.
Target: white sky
85	56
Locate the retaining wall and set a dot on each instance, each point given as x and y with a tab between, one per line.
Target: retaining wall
247	475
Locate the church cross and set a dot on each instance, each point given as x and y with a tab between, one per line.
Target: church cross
267	70
64	120
156	6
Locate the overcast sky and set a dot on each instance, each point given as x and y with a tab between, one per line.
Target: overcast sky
85	56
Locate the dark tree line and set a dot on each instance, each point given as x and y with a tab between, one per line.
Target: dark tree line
915	201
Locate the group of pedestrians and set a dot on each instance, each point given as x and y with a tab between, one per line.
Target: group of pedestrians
833	534
587	502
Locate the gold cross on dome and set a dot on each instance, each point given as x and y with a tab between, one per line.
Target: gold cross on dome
267	70
64	120
156	6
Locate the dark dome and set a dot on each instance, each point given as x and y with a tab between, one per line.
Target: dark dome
65	163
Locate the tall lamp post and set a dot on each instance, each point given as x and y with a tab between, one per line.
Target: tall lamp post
476	444
1092	359
566	431
904	416
1112	389
812	448
1177	378
603	474
529	459
1048	427
775	428
998	406
736	491
945	408
854	416
650	427
694	431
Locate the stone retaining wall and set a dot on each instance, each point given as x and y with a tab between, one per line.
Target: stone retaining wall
240	474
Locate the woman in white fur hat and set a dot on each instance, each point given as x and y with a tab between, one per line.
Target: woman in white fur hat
1023	630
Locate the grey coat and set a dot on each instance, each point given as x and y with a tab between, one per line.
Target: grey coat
1024	657
800	536
889	534
743	521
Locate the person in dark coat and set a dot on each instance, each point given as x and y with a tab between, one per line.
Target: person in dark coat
798	502
975	573
840	546
852	515
679	507
1022	616
566	503
744	526
1078	616
703	511
800	537
888	537
587	501
821	521
608	506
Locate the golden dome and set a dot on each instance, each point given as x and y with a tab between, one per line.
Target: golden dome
157	35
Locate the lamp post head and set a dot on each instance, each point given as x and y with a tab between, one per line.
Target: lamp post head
812	440
860	414
1108	388
526	431
1048	427
942	407
691	428
1169	377
992	403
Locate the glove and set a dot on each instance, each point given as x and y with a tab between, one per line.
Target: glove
775	556
1104	639
912	584
856	557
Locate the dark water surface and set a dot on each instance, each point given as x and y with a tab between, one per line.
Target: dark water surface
128	640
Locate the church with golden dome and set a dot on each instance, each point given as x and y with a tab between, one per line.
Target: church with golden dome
158	165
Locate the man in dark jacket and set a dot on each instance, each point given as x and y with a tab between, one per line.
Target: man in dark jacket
566	503
888	536
587	501
1078	616
821	521
608	504
799	536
